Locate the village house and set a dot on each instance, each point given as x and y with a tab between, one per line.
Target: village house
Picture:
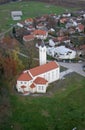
40	34
63	39
28	38
61	53
80	28
40	26
63	20
71	30
29	21
81	50
37	79
66	14
16	15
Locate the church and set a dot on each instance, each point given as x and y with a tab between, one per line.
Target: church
36	80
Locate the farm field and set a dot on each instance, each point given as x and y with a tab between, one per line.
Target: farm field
29	9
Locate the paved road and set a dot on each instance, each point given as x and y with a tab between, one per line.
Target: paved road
76	67
62	74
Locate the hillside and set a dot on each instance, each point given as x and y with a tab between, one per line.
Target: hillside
66	3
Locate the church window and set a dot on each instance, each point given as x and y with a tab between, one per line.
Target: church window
56	72
39	87
52	74
42	88
48	76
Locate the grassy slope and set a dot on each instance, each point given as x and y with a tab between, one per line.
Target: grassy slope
29	9
62	110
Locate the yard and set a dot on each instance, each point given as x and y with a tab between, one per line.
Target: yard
62	107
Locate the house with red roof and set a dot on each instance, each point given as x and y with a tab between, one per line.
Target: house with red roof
28	38
80	28
29	21
40	34
37	79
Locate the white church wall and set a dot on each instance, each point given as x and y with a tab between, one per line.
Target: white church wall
33	90
41	88
23	83
42	55
53	75
50	76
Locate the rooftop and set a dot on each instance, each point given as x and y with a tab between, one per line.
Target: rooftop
43	68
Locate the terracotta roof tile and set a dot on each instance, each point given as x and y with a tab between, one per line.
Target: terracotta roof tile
43	68
81	26
63	20
24	77
28	37
39	32
32	86
82	47
40	80
23	86
29	20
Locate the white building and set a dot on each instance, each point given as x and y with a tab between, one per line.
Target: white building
37	79
40	34
51	43
61	52
16	15
42	54
66	15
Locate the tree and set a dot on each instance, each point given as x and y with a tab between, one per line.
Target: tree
51	22
15	56
14	31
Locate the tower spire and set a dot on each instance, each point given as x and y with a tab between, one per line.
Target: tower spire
42	53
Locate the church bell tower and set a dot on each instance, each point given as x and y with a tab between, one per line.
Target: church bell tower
42	54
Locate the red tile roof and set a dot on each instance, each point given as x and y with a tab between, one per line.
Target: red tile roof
63	20
23	86
39	32
28	37
43	68
32	86
82	47
40	80
81	27
29	20
24	77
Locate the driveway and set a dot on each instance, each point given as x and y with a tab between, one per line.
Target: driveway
75	67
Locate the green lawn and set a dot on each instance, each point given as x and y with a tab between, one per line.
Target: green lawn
61	108
29	9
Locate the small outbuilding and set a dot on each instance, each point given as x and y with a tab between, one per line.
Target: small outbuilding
16	15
